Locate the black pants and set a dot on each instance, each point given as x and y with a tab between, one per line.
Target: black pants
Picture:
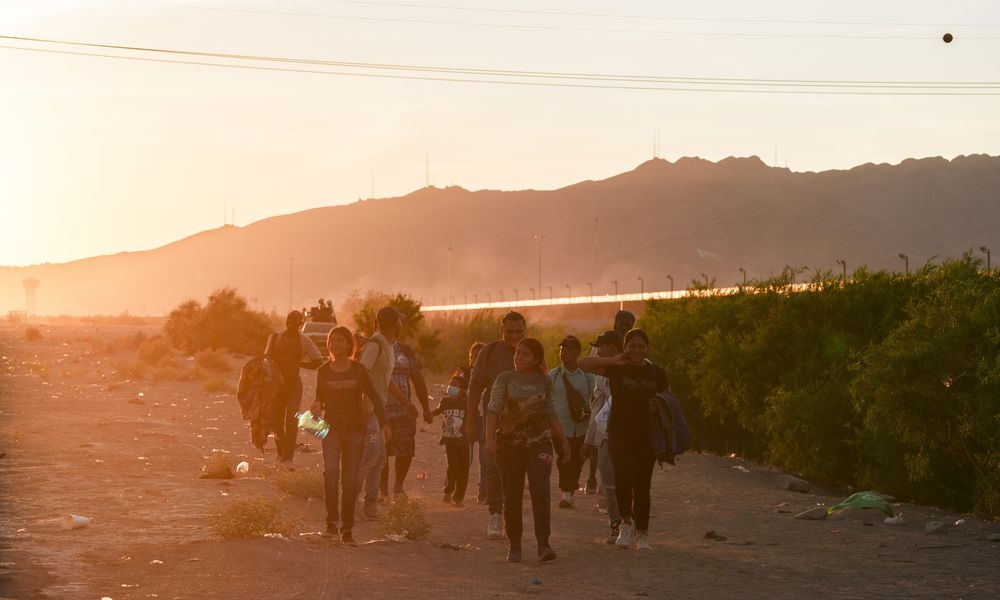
632	458
458	470
514	463
569	472
341	459
286	404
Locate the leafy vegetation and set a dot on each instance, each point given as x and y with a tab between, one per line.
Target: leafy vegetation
404	516
887	382
224	322
249	518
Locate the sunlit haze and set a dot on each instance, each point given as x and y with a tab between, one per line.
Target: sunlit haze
100	155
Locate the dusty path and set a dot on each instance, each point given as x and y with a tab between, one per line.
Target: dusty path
76	442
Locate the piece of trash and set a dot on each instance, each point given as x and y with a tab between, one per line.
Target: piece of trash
243	467
422	475
863	500
960	522
390	538
76	522
711	535
193	560
817	513
156	562
462	546
536	581
741	468
897	520
276	536
130	585
934	527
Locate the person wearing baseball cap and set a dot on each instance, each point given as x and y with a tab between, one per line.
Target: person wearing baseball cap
607	344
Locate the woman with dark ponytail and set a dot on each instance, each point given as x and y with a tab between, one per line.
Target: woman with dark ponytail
520	424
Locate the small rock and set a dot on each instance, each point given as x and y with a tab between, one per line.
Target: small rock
935	527
711	535
995	537
813	514
793	484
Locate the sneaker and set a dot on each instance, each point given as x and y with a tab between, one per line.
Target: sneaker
546	553
613	534
447	499
626	535
514	554
347	539
642	541
331	531
494	530
371	512
567	500
591	486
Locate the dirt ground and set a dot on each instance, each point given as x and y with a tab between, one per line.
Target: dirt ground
128	455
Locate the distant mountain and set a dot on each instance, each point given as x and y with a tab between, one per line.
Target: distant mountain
681	219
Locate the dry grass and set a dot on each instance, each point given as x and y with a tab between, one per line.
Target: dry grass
218	385
129	369
213	361
155	351
404	516
217	466
303	483
250	518
32	334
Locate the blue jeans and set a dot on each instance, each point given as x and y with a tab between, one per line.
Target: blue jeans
372	461
608	481
341	457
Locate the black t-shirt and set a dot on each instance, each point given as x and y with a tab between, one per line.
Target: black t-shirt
342	396
631	388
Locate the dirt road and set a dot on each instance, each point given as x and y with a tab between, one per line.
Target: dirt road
128	455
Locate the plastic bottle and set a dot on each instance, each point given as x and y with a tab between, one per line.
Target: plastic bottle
308	422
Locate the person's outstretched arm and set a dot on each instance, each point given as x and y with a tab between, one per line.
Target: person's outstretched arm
596	364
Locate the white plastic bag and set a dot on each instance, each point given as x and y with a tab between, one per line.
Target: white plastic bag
601	418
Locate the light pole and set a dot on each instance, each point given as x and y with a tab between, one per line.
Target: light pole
465	299
539	237
489	297
533	296
987	251
475	298
843	263
671	278
591	286
501	295
291	262
569	291
906	260
642	289
744	271
615	283
515	295
550	293
444	301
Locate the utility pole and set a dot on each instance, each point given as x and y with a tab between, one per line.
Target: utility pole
539	237
843	263
591	286
642	289
615	283
516	299
671	278
501	295
987	251
906	260
533	296
569	291
744	271
450	252
550	293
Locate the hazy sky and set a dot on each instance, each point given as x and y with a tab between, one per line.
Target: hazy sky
102	155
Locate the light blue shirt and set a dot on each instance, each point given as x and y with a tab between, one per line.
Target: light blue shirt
583	382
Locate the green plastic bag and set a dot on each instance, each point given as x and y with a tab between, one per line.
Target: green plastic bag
863	500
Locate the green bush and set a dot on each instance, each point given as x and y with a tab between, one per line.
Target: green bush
888	382
225	321
404	516
249	518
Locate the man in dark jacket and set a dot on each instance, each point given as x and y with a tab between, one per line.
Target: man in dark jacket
495	358
290	350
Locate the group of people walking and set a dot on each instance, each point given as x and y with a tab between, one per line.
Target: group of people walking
524	417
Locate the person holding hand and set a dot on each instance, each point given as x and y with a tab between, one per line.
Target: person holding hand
634	382
520	424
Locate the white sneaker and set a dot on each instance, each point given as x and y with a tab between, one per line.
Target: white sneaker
642	541
626	535
494	530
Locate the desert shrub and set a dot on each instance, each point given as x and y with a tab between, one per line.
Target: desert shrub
404	516
32	334
129	369
217	466
155	351
218	385
213	361
301	483
225	321
167	371
249	518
